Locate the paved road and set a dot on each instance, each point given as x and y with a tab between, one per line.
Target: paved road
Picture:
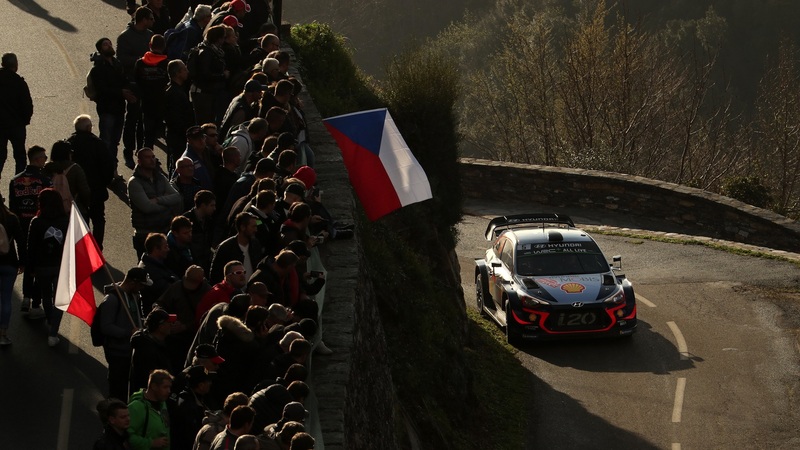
739	373
49	395
713	365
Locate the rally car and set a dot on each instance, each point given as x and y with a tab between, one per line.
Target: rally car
542	278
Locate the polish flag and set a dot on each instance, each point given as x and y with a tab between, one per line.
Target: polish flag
79	260
383	171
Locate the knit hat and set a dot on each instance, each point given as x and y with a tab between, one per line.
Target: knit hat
307	175
99	43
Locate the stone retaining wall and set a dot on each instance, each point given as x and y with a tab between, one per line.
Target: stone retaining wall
353	386
671	204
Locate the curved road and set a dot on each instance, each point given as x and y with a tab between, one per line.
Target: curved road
713	364
736	380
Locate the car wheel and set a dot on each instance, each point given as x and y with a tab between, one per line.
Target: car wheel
480	295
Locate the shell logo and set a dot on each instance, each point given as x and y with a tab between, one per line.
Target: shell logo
573	288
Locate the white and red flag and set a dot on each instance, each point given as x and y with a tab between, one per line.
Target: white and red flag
80	259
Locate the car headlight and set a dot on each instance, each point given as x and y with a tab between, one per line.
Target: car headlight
617	298
532	302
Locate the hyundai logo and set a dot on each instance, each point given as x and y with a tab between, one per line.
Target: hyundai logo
577	305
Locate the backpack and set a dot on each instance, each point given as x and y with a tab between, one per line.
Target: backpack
98	338
230	134
5	244
176	41
61	184
191	60
90	91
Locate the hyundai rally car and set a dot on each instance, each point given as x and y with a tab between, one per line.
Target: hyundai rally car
542	278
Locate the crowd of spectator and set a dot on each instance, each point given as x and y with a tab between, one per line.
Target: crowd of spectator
208	337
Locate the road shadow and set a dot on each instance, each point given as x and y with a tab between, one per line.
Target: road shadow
119	4
576	427
583	216
36	379
645	351
34	9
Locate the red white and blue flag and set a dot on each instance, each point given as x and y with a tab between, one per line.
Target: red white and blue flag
382	169
79	260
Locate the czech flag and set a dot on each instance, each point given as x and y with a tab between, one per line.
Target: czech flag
383	171
80	258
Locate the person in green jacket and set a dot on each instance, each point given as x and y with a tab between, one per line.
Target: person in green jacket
149	426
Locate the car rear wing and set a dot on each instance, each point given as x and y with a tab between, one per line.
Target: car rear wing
502	222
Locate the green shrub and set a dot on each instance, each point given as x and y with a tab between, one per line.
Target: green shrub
327	68
749	190
421	90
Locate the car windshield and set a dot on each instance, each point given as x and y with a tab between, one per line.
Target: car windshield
560	259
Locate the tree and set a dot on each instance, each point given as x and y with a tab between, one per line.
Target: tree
777	129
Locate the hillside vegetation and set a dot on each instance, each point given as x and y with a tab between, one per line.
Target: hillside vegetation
697	92
443	365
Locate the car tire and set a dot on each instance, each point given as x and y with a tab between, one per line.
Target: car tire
480	295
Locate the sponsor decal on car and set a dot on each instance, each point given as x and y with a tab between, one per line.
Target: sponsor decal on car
573	288
548	282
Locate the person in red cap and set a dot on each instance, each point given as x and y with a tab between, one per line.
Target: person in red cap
236	8
149	348
232	21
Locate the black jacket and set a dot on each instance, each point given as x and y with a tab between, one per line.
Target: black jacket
237	344
16	105
179	114
91	153
202	234
44	243
111	440
108	78
148	354
162	278
278	287
17	236
24	193
150	73
208	72
228	251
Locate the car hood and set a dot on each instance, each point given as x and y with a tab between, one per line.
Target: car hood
571	288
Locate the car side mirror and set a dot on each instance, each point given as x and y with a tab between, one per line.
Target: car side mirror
616	262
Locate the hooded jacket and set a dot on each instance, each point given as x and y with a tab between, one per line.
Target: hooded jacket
16	105
237	344
152	414
150	73
213	424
